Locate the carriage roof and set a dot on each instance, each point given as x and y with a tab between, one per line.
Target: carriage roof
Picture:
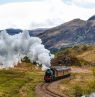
61	68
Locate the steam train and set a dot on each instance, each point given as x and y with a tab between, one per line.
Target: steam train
56	73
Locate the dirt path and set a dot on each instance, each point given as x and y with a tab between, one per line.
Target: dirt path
80	70
49	90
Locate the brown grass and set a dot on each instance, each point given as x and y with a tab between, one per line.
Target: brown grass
80	84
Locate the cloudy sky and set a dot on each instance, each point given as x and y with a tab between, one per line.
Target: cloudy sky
32	14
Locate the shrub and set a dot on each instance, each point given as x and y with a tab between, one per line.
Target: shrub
78	91
93	72
90	88
26	59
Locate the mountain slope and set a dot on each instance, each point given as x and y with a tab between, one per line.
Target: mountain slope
71	33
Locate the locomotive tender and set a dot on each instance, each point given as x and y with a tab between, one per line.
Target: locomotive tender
57	72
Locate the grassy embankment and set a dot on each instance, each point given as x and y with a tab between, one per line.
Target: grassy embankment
20	81
80	84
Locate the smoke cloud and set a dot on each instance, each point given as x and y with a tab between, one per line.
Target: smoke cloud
14	48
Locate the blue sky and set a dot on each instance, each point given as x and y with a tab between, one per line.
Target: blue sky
8	1
32	14
81	3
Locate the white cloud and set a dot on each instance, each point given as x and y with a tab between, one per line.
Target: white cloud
84	3
45	13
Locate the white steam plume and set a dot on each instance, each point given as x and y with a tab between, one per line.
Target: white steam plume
16	47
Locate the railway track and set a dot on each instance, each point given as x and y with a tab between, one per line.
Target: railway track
47	91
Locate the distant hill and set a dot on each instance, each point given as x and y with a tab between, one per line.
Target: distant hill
35	32
92	18
70	33
12	31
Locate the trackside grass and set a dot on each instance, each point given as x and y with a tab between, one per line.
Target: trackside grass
20	81
80	84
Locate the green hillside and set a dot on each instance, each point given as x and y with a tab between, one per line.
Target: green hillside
77	55
20	81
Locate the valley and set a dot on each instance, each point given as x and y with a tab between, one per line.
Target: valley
22	80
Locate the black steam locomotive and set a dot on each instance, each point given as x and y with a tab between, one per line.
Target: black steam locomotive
57	72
